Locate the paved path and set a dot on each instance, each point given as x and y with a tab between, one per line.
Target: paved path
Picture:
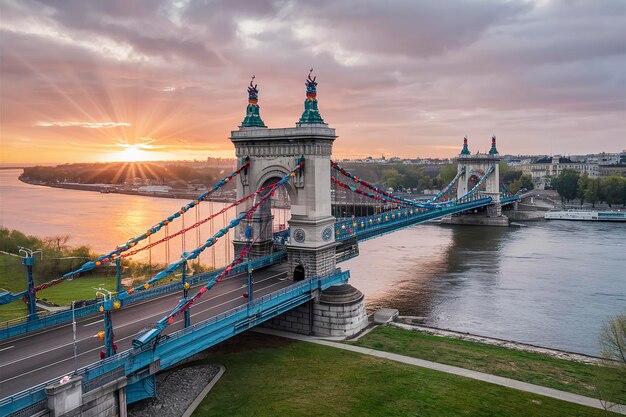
480	376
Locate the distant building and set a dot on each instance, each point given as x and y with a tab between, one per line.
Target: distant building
544	169
609	170
154	189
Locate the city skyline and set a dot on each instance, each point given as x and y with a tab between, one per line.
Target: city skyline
84	82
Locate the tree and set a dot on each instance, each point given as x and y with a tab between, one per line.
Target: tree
612	376
611	190
592	192
523	182
567	184
507	174
583	181
446	175
393	179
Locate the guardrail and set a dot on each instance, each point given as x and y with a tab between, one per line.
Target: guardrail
174	347
368	227
11	328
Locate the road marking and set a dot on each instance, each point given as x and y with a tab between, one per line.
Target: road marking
52	328
7	348
100	347
95	322
144	319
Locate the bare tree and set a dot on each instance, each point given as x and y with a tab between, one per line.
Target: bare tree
612	376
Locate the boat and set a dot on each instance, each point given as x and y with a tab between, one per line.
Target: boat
587	215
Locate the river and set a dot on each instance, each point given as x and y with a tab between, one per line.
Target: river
551	284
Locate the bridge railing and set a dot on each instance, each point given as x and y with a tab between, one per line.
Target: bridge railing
370	226
25	402
17	327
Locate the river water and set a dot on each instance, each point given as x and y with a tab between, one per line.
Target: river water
552	283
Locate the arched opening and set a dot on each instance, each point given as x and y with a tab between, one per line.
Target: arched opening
298	273
269	223
275	212
472	181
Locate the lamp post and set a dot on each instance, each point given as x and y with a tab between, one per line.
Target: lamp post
187	313
118	275
250	271
28	260
74	337
107	335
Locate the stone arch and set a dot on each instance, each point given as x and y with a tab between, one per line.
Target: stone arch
276	172
473	177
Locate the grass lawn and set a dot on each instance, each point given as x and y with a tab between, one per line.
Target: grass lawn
268	376
81	288
530	367
13	279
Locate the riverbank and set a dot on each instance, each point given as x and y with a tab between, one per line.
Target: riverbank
565	371
267	375
118	189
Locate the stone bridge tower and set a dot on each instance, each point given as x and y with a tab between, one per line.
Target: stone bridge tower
476	166
273	153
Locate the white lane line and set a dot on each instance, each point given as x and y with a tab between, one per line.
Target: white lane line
149	300
7	348
137	321
100	347
225	302
95	322
57	362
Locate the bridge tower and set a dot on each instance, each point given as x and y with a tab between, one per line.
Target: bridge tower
476	166
311	251
272	154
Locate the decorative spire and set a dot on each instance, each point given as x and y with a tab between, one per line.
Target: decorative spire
493	150
311	113
465	150
253	118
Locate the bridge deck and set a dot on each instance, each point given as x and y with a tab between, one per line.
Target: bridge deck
37	357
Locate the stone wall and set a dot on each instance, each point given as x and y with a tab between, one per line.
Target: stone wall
68	399
339	320
319	262
338	312
297	320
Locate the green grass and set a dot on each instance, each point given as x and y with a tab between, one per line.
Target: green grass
570	376
13	279
284	378
77	289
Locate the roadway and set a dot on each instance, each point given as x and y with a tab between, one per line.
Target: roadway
37	357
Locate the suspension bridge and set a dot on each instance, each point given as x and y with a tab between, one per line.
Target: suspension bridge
282	274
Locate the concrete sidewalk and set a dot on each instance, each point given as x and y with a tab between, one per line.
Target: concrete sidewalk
480	376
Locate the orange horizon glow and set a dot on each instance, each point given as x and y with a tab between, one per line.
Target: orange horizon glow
128	81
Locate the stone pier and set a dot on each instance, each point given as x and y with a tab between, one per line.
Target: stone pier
337	312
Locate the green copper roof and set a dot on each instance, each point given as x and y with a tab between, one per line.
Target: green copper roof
311	113
465	150
493	150
252	119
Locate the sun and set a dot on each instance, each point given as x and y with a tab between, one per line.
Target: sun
132	153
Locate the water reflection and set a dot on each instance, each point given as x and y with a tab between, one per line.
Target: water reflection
552	283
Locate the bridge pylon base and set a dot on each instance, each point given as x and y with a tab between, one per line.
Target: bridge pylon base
338	311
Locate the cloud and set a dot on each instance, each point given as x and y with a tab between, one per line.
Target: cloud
88	125
408	77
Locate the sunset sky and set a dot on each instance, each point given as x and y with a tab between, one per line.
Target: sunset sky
118	79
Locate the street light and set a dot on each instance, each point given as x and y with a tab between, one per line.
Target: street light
28	261
107	335
74	337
